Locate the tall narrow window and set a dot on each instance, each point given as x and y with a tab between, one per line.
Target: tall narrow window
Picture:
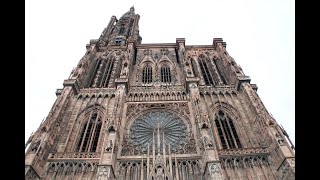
147	74
103	73
89	134
165	74
121	30
107	73
207	76
227	132
96	68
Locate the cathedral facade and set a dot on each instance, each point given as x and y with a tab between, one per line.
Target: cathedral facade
166	111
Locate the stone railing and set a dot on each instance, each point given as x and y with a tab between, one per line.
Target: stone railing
160	88
242	152
73	155
98	90
90	92
217	89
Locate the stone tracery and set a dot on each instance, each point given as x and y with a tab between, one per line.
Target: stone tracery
145	127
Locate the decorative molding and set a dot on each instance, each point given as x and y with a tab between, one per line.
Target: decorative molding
96	92
70	167
217	89
157	96
245	161
181	107
74	155
243	152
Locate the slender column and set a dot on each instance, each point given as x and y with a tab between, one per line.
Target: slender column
85	132
148	161
153	150
158	135
216	72
141	171
176	166
170	162
97	75
164	150
92	133
221	125
128	173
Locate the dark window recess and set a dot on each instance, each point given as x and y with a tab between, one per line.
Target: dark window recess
165	74
147	74
95	72
121	31
227	132
118	41
90	132
103	73
205	72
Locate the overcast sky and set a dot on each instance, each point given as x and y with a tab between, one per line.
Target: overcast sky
259	36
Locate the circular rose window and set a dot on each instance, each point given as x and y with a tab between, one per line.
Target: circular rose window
146	127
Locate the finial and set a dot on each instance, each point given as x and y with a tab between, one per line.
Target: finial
132	9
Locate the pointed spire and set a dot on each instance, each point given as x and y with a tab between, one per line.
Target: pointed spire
132	9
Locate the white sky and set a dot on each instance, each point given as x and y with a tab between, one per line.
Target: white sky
259	36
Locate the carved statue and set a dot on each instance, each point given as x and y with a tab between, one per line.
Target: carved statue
181	51
109	146
279	139
207	142
35	145
124	71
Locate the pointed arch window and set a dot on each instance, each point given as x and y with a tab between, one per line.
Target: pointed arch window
89	134
165	74
147	74
103	73
206	74
227	132
107	73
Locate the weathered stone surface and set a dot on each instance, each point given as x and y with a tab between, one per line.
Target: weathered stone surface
157	111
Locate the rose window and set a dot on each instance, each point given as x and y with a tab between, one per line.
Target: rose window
146	127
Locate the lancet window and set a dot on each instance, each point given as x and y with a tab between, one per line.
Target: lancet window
165	74
89	134
227	132
147	74
103	73
206	74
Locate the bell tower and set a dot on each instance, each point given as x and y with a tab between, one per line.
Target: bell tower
159	111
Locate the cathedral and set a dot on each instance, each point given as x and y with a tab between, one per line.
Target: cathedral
157	111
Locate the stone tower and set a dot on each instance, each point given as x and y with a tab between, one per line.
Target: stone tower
166	111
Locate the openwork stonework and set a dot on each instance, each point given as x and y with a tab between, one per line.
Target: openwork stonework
144	131
162	111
